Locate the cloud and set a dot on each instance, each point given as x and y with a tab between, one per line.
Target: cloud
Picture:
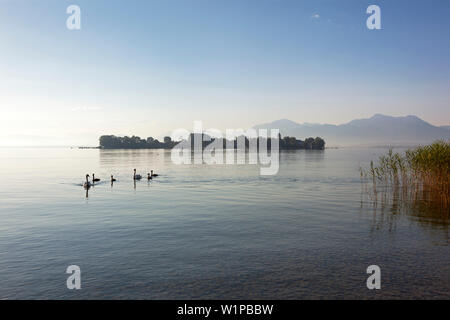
315	16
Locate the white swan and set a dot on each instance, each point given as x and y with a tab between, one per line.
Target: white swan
87	184
136	176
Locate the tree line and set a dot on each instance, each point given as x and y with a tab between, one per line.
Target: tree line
135	142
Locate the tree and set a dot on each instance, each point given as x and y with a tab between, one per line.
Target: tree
319	143
309	143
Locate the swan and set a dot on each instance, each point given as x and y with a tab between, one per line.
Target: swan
95	179
112	178
149	177
87	184
154	174
136	176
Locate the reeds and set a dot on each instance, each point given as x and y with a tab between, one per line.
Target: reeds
420	176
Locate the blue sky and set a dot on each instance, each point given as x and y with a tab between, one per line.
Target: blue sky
148	67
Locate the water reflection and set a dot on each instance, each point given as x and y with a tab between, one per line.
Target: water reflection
132	157
220	222
389	204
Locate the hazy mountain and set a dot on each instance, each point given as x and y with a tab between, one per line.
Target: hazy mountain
377	130
445	127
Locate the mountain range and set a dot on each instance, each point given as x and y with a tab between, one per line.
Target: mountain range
377	130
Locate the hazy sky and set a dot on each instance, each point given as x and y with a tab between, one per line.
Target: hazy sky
148	67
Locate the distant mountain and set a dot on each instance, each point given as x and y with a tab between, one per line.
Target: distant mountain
377	130
445	127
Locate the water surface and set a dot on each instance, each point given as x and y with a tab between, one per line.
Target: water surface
206	232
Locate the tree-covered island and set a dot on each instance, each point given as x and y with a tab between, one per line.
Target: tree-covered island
135	142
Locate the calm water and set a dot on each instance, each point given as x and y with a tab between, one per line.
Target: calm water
201	231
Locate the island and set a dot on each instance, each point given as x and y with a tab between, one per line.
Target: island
135	142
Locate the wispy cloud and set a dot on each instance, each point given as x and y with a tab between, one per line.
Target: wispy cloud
315	16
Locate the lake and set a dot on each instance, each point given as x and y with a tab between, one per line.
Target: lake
209	231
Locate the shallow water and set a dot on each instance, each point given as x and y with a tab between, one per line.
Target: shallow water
202	231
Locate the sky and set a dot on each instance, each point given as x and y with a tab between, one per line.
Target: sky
149	67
